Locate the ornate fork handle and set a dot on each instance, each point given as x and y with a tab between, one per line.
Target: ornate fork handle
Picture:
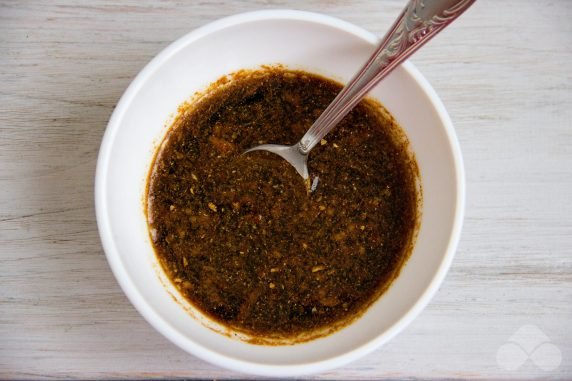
418	23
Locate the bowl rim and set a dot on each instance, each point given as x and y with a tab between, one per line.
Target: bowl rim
152	316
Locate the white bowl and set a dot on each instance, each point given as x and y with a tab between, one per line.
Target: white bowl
299	40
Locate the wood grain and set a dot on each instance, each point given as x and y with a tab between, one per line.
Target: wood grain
504	73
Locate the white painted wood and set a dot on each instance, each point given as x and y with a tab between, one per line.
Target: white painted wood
504	72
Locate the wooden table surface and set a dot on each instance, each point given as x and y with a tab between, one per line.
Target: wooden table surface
504	72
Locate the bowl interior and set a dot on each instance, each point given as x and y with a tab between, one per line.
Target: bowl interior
301	41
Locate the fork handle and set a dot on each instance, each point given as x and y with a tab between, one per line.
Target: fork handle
417	24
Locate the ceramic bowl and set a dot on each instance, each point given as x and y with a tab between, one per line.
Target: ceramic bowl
298	40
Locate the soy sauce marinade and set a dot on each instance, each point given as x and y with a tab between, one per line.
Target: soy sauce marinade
243	238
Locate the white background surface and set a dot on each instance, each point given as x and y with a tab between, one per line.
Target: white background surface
503	71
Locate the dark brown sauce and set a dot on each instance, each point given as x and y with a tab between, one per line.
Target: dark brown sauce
243	239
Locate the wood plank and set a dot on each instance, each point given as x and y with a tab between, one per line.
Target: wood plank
504	74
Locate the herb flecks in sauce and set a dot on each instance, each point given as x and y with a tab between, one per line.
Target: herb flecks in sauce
250	244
